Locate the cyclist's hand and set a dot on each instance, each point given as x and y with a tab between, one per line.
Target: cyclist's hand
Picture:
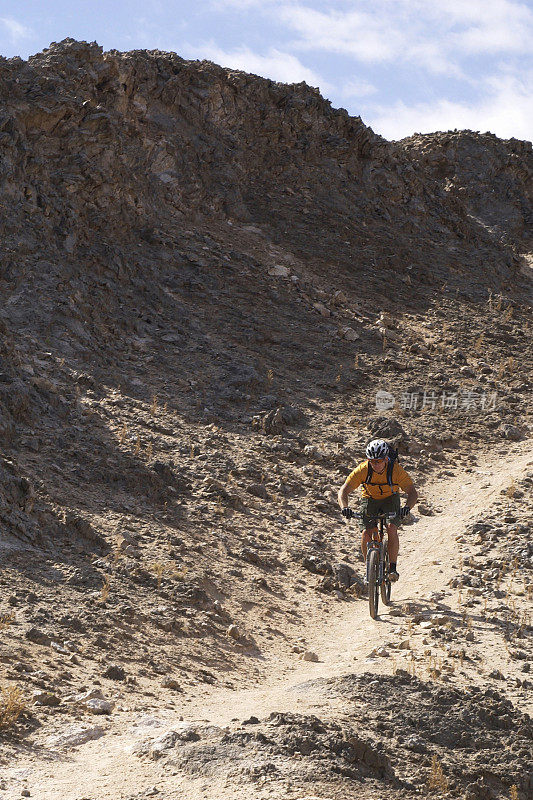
347	512
404	512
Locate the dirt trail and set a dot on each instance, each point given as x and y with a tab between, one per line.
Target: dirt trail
429	558
343	640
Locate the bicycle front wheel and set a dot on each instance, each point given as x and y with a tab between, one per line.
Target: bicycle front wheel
385	583
373	582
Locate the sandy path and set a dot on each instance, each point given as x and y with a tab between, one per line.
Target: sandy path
343	640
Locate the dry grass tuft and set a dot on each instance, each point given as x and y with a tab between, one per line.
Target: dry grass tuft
437	779
6	620
123	433
159	569
479	343
12	705
104	591
170	569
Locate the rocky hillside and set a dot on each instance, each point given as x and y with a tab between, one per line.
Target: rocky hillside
205	279
492	178
105	153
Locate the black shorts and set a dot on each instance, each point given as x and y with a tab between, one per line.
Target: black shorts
371	508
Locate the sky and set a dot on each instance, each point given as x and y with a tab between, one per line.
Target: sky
403	66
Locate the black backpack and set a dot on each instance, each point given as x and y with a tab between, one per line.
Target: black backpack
393	458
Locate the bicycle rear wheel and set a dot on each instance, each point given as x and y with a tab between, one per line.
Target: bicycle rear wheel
385	583
373	586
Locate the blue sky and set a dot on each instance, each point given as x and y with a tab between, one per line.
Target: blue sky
402	65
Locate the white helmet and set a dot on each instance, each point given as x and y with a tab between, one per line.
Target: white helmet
377	448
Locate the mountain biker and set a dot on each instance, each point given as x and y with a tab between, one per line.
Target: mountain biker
380	491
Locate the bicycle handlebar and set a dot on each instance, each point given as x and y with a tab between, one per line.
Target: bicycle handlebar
385	515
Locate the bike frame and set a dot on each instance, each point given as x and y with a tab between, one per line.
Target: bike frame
379	543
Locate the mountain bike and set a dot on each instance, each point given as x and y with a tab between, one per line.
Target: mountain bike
377	563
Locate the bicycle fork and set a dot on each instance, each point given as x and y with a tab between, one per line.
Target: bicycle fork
379	548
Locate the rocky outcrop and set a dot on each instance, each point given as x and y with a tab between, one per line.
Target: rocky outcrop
492	178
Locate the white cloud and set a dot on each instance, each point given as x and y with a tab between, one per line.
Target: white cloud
16	30
480	12
487	26
495	39
432	57
505	109
276	64
435	36
367	36
358	88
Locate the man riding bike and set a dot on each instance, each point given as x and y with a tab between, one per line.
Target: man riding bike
380	490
